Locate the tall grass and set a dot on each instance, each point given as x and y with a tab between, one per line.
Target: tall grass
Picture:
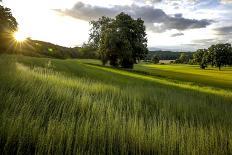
69	107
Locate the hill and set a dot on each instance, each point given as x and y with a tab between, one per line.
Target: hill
37	48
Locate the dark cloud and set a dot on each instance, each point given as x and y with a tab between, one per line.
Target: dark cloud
224	34
178	15
177	34
227	30
88	12
149	14
204	41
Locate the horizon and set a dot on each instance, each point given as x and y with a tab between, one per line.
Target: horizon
170	25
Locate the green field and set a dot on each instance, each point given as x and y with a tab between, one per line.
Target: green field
51	106
191	73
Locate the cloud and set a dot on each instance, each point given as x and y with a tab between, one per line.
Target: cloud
205	43
227	30
226	1
88	12
224	33
190	2
177	34
178	15
149	14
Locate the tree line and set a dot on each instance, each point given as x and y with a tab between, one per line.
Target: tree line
218	55
8	25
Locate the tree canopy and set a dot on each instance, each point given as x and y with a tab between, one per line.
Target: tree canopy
8	24
121	41
155	59
184	59
218	55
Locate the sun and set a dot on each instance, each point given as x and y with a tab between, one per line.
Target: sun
20	36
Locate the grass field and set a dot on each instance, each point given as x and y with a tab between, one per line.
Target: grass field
50	106
191	73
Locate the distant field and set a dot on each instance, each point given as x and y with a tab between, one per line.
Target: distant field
51	106
191	73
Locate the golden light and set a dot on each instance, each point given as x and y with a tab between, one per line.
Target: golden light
20	36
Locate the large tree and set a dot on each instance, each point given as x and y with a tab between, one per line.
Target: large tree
220	55
122	40
8	25
98	27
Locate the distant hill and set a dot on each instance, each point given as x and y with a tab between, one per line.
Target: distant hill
168	55
37	48
45	49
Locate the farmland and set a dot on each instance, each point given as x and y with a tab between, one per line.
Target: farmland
51	106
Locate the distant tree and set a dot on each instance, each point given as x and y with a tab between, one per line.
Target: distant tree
198	55
220	55
182	59
122	40
155	59
8	25
201	57
204	60
88	51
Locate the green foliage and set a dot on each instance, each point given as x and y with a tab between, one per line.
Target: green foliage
8	25
198	55
167	55
183	59
96	30
37	48
44	49
87	51
51	106
205	60
201	57
155	59
122	40
220	55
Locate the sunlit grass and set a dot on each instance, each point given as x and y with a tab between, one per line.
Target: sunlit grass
184	85
53	106
191	73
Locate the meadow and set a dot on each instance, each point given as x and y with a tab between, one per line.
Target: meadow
51	106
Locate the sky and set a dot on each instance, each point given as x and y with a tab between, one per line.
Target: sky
178	25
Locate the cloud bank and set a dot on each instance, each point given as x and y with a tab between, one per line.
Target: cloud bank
155	19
